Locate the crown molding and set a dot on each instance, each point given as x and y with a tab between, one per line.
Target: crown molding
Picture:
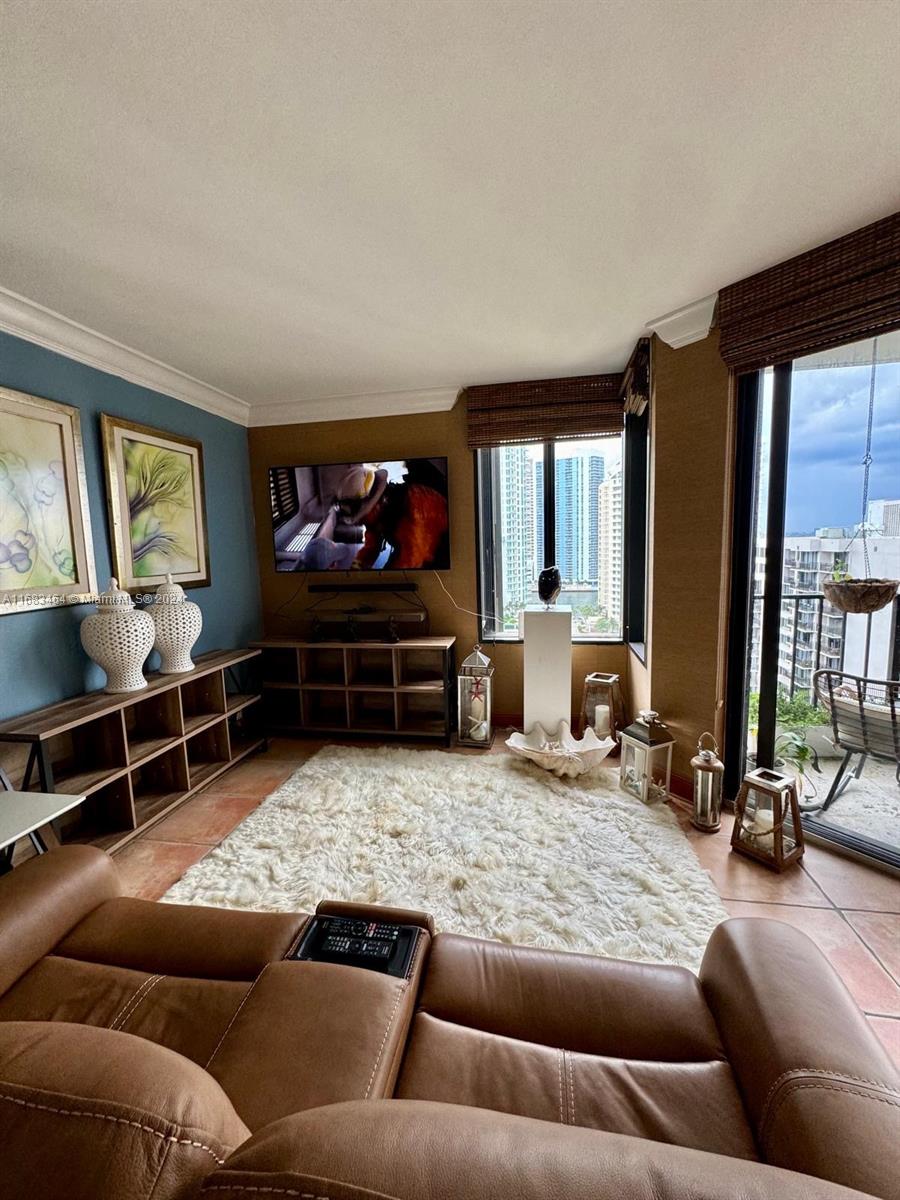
689	324
355	407
25	319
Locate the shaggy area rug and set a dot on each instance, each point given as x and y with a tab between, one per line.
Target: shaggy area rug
490	846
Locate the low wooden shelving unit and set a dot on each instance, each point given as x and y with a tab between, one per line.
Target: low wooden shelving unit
138	756
402	689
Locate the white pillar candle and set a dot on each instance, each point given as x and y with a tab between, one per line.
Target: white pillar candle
601	720
763	825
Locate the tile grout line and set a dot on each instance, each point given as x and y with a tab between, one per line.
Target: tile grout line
870	949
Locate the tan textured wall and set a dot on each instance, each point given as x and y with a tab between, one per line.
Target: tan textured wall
691	456
387	437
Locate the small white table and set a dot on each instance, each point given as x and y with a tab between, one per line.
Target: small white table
22	814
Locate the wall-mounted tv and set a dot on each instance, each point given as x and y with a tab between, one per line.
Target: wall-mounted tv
361	516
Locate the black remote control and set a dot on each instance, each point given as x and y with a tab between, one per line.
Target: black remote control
354	941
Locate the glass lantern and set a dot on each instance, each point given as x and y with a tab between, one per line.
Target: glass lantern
474	687
767	819
708	774
645	768
602	706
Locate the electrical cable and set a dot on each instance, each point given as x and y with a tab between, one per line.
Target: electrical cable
468	611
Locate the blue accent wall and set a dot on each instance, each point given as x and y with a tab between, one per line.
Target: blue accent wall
41	659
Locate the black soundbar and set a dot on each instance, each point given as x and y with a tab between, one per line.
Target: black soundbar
363	587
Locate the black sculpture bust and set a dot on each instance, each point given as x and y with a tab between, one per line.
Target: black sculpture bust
549	585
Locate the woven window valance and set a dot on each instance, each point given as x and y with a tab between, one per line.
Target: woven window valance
542	409
841	292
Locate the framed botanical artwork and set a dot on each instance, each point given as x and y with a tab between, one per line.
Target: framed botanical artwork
46	552
157	507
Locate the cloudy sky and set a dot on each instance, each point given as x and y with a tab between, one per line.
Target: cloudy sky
828	440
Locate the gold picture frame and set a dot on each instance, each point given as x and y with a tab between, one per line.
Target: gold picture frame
157	505
46	547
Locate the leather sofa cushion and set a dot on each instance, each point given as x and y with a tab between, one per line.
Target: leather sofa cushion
88	1112
44	898
691	1104
185	1015
182	939
421	1151
311	1033
574	1001
574	1039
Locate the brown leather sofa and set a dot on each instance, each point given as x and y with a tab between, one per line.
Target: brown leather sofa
158	1052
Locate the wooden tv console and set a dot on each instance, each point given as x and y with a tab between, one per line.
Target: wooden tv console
139	755
399	689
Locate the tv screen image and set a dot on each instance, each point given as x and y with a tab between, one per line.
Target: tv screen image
362	516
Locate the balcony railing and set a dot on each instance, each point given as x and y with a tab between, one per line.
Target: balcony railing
812	636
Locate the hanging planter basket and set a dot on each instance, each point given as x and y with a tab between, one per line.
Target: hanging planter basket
860	595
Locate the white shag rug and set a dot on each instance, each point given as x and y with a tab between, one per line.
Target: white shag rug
492	847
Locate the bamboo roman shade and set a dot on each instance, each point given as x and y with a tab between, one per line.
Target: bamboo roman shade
842	292
543	409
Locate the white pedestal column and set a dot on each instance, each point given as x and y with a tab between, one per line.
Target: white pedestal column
548	666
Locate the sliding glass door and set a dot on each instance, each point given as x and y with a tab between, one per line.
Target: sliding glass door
817	499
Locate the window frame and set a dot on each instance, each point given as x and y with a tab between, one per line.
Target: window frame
486	560
635	531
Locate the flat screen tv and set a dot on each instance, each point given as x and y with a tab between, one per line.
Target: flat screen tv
361	516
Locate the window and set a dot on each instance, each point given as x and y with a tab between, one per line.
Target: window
807	509
552	503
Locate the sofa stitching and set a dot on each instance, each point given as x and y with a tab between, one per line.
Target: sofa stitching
823	1087
74	1112
235	1016
559	1068
415	958
571	1065
838	1076
267	1191
125	1010
400	992
139	1002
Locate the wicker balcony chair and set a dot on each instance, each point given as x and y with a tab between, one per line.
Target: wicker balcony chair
864	722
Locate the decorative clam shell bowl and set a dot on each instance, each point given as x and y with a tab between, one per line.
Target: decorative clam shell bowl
560	752
177	623
118	637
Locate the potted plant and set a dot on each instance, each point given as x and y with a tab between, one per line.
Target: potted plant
798	714
793	750
858	595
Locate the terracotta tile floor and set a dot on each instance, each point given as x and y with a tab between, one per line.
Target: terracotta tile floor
850	910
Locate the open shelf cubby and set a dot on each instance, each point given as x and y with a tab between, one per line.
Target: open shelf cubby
371	666
322	665
202	700
86	757
152	725
398	689
207	752
136	756
420	713
280	665
325	709
106	816
159	784
372	711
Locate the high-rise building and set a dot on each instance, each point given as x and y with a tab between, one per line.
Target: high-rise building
578	477
610	545
883	516
813	634
516	478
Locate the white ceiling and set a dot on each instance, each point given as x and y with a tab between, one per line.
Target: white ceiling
292	200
